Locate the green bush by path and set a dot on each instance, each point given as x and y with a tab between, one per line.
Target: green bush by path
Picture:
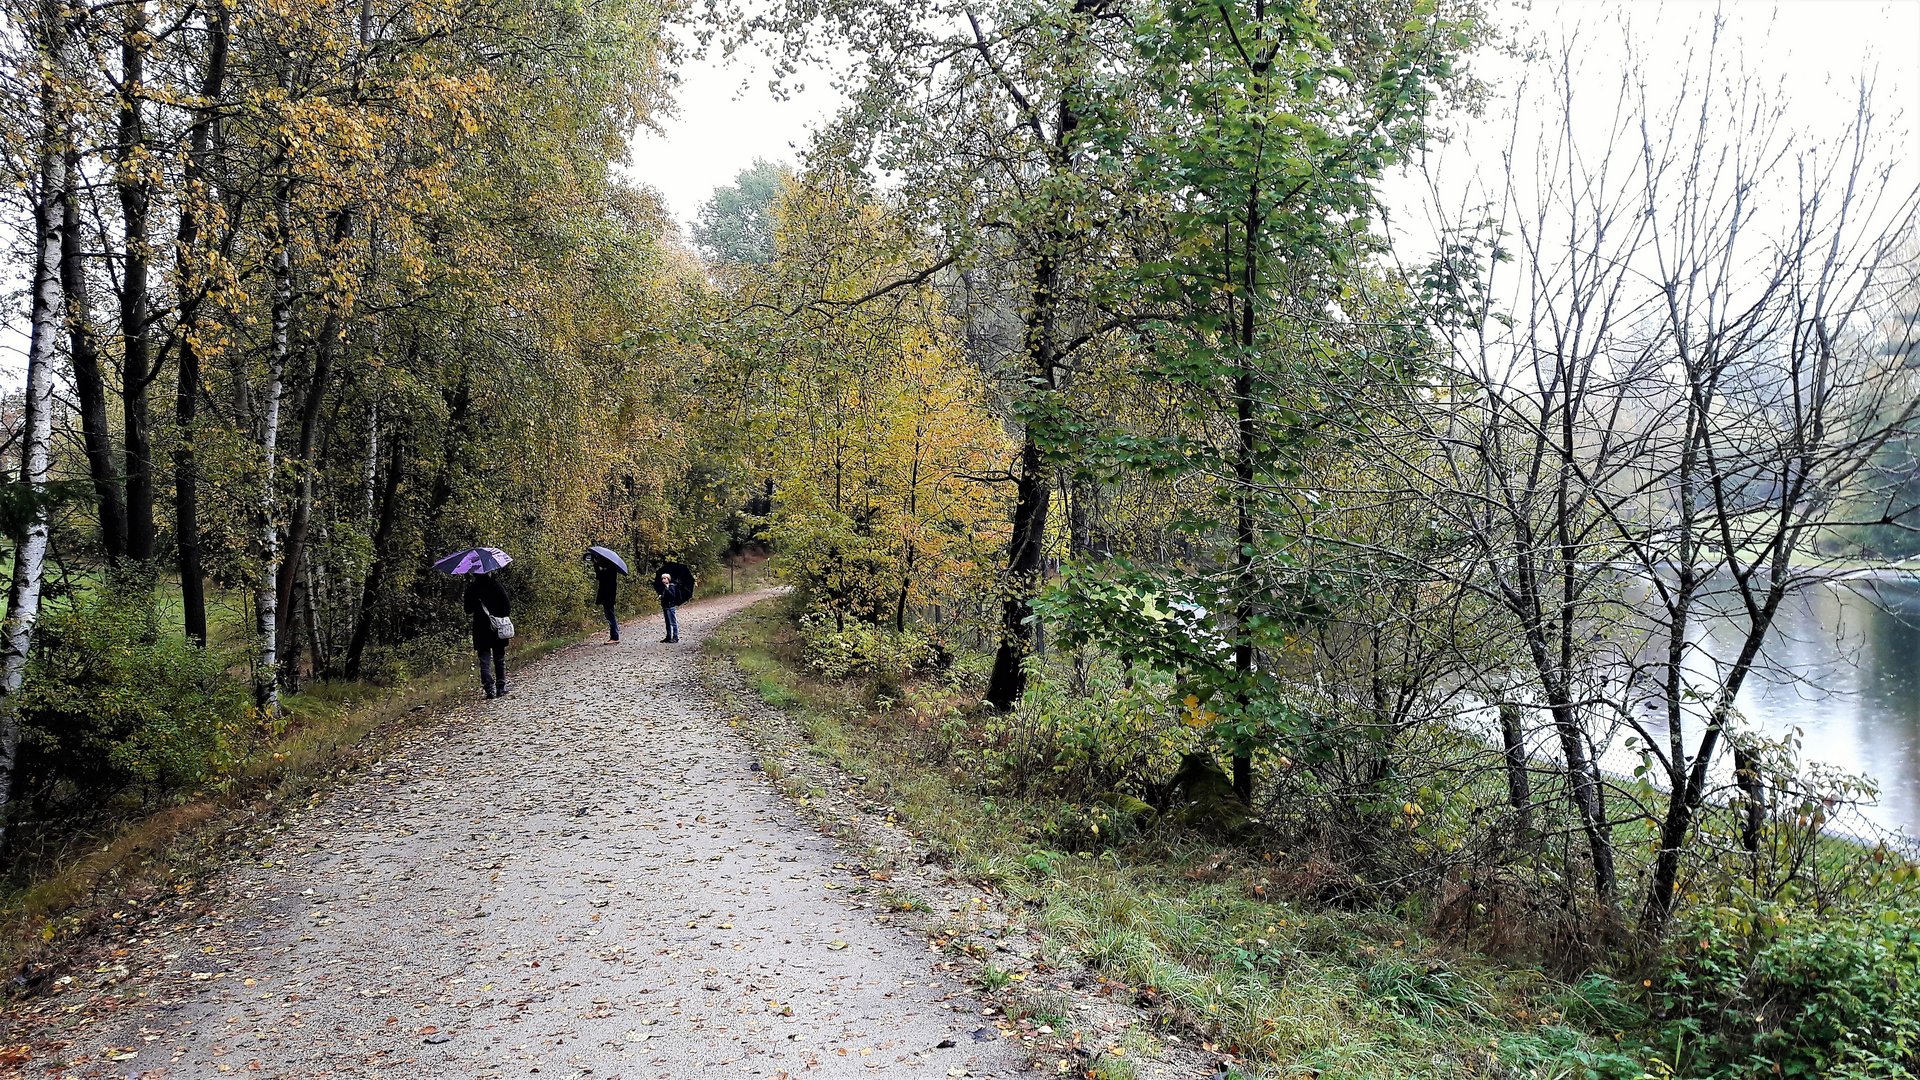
861	648
113	702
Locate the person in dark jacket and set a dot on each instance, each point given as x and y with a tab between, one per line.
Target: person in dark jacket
486	598
671	596
606	592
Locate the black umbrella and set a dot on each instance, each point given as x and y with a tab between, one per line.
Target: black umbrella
608	554
682	575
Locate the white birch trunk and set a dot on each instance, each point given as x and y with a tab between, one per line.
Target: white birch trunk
266	677
23	596
370	471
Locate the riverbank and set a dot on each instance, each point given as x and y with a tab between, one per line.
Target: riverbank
1203	934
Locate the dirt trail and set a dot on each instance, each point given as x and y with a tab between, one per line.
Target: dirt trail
584	878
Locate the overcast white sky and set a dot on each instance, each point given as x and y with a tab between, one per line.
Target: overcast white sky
726	118
1809	57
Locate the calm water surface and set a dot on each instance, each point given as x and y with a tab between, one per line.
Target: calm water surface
1847	675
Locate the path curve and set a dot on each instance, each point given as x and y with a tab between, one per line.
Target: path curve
583	879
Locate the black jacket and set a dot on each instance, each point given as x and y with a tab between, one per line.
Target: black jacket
672	594
608	583
484	591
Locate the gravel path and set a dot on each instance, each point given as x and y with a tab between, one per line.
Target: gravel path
584	878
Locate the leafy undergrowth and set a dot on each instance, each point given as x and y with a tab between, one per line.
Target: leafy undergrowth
1289	990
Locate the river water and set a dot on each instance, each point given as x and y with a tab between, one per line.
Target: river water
1845	672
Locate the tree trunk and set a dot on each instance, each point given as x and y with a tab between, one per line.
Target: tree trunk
186	500
1683	803
1032	493
89	383
899	600
23	596
290	633
1079	493
301	519
1033	488
135	315
266	678
911	552
458	430
370	472
314	600
377	571
1519	783
1753	792
1246	432
186	467
1584	788
1243	470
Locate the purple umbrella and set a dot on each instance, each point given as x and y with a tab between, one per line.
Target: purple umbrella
480	560
613	560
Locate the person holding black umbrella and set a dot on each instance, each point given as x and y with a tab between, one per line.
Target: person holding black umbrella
607	568
674	587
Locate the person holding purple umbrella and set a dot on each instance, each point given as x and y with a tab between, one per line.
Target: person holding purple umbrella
486	601
487	604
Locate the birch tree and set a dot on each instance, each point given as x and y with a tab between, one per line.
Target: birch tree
28	496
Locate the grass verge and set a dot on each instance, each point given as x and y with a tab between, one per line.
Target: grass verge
1194	929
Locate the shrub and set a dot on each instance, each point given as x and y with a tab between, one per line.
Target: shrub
1784	990
110	702
1107	729
861	648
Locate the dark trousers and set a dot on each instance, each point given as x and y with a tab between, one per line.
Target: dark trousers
613	622
493	675
673	624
